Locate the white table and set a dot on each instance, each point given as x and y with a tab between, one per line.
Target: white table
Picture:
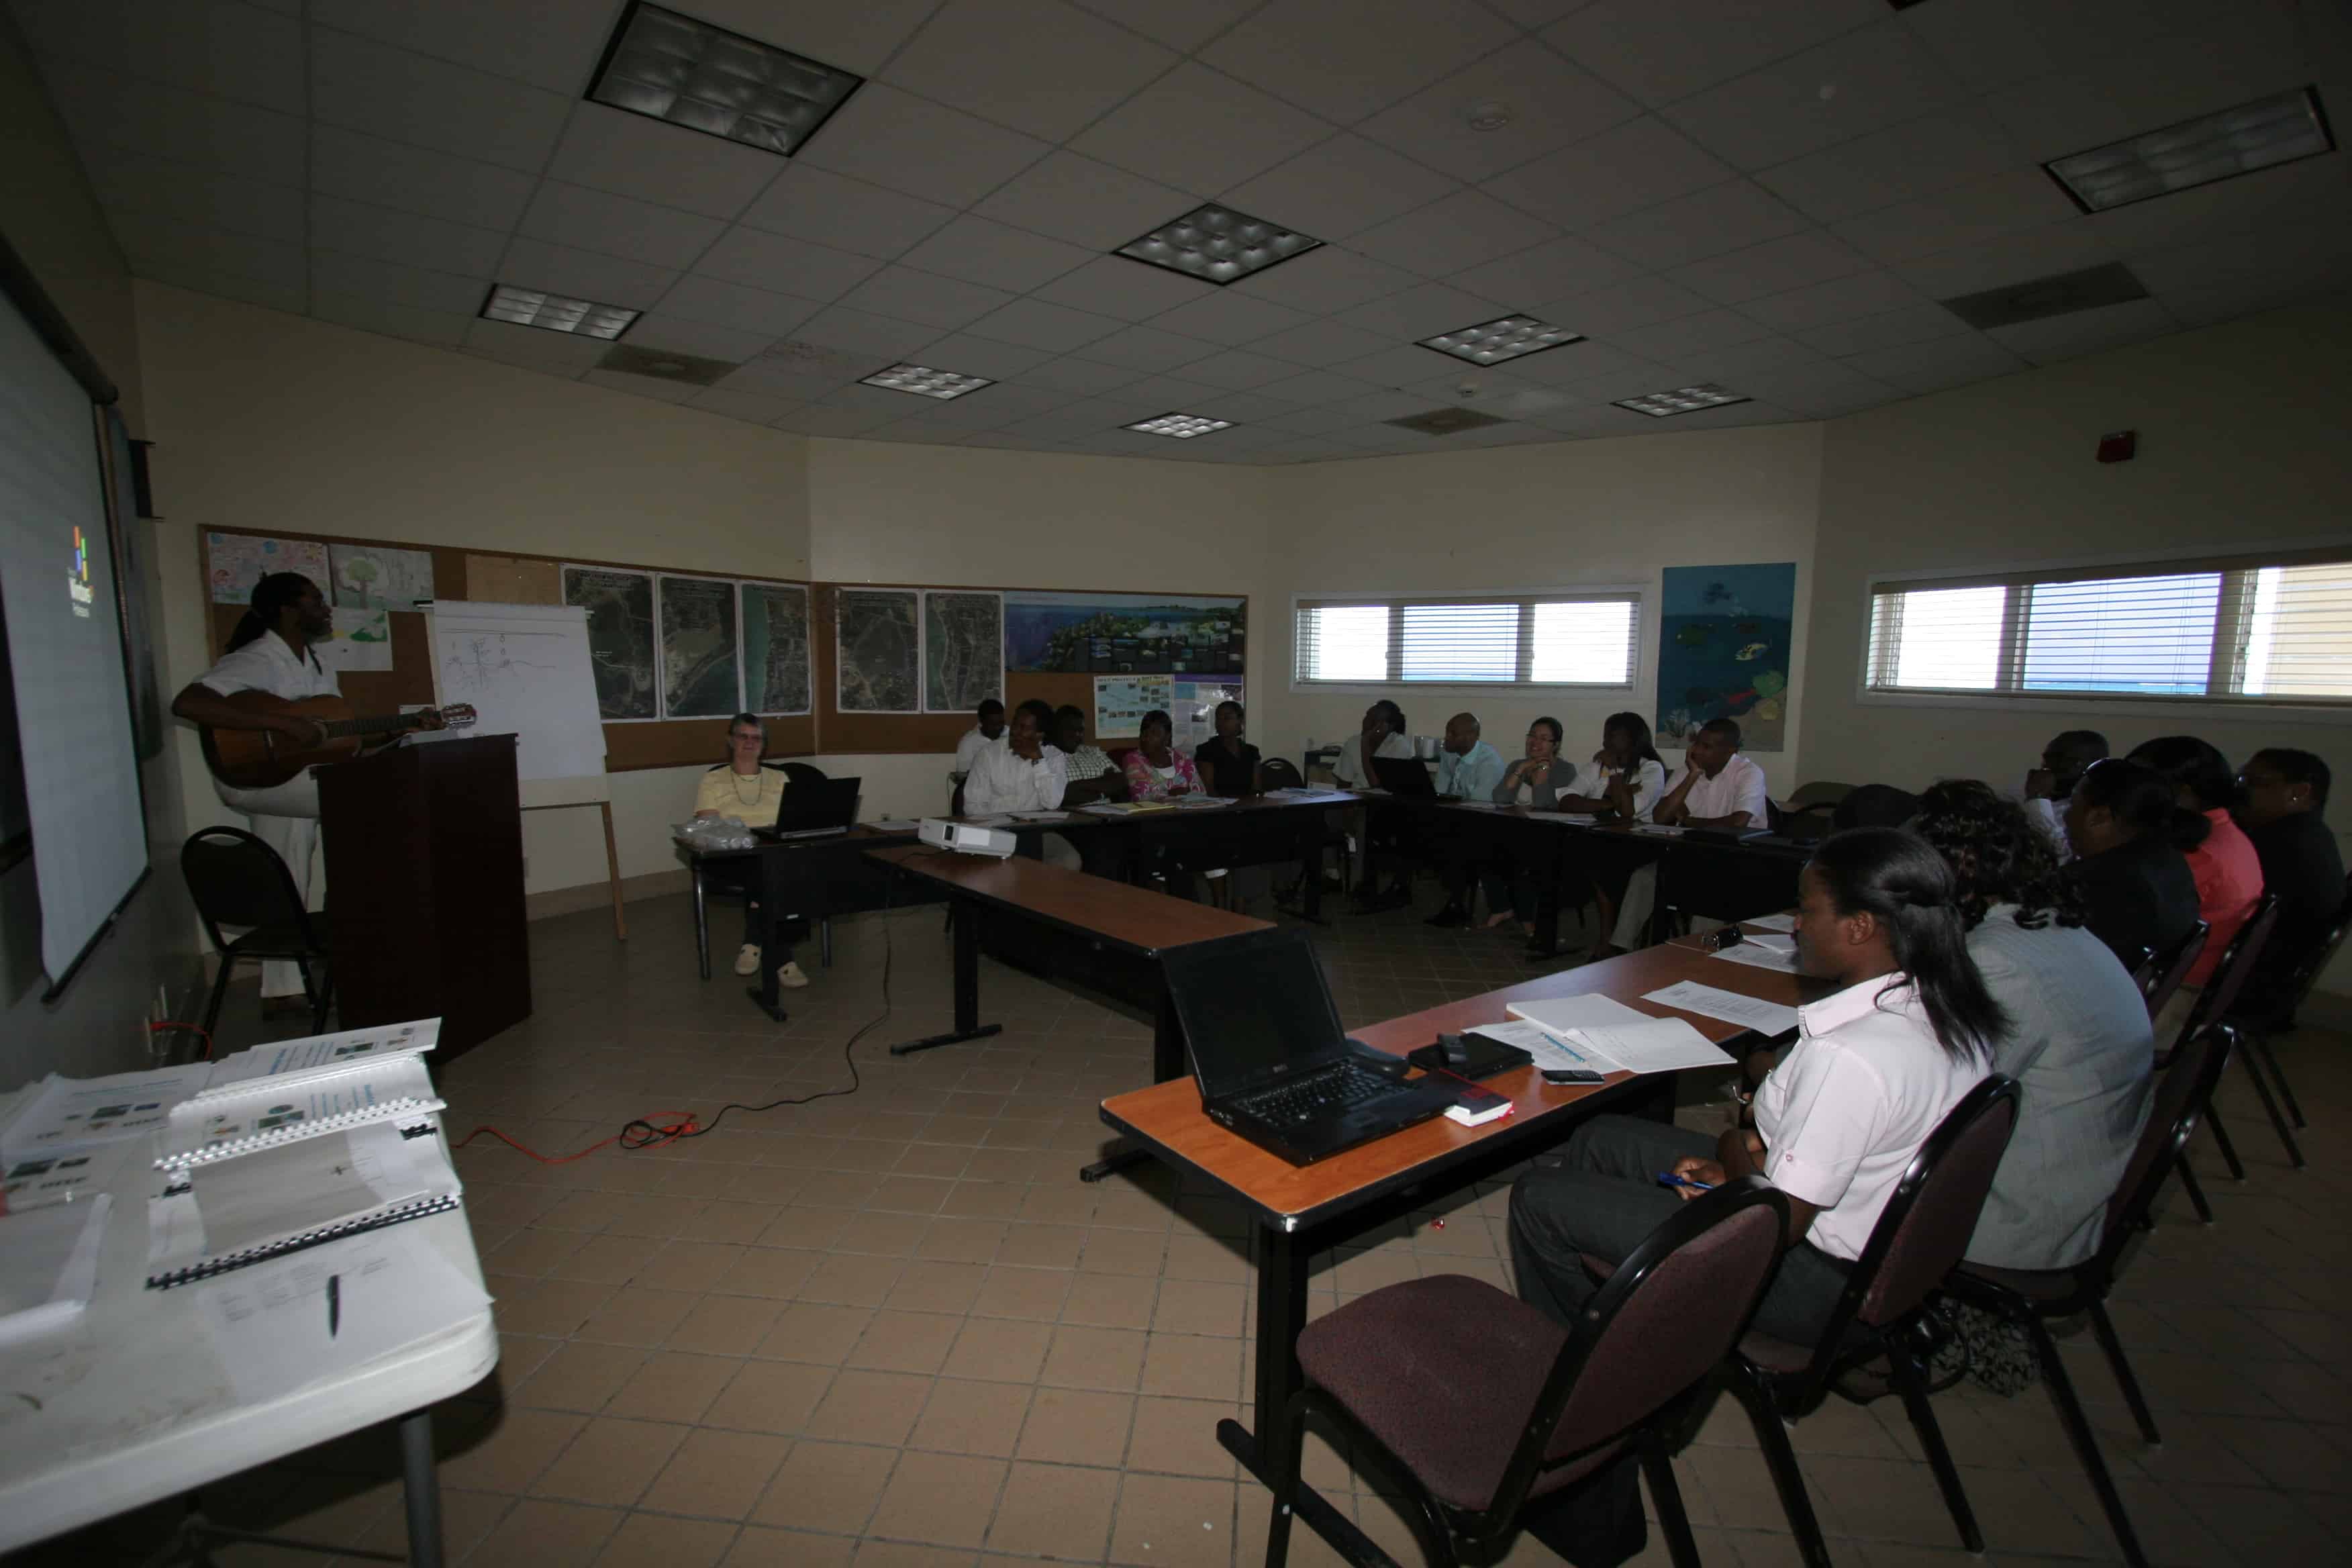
134	1405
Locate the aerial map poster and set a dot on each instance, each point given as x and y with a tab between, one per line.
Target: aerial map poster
1723	651
1125	634
964	650
699	674
776	648
620	606
877	647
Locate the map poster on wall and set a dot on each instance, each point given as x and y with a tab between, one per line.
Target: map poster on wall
775	648
1194	708
878	651
964	650
234	563
1124	634
361	640
700	677
374	577
620	606
1122	701
1723	651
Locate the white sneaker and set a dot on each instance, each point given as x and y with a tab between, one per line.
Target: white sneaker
788	975
746	959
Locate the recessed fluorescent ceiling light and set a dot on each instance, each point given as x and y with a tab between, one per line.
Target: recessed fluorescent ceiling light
2262	134
556	312
925	381
1218	245
1681	400
1492	343
673	68
1180	426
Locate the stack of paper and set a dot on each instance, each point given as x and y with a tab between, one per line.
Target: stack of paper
1773	923
1731	1006
1609	1036
1778	953
65	1115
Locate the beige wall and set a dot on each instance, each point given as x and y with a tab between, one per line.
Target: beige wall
1557	515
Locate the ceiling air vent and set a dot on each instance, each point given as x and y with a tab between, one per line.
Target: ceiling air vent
1445	421
2060	294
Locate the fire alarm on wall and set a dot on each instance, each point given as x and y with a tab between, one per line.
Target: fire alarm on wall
2118	446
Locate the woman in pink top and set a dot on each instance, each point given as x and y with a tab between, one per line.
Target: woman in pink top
2228	873
1156	769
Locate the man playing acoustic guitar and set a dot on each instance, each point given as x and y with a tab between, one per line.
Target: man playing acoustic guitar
270	653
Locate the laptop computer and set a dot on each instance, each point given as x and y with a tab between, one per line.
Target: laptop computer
1269	1057
814	808
1404	776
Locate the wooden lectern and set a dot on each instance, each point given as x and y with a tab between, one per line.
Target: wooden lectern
424	849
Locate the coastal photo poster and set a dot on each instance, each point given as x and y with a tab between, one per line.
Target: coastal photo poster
1125	634
1724	648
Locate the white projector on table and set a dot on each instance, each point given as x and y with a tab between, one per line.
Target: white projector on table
968	838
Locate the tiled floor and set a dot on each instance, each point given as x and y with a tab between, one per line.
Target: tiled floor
893	1330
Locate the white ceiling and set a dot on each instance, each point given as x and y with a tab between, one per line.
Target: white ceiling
1770	193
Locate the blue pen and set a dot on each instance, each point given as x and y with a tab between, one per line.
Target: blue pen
1668	1179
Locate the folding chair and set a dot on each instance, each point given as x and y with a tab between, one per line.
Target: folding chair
237	879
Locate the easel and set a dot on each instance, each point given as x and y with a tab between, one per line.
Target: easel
551	795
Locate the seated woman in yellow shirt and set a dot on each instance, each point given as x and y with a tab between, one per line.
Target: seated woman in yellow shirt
740	788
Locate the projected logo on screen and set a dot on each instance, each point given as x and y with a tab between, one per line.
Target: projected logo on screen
78	580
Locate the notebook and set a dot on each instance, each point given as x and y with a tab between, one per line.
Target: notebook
347	1048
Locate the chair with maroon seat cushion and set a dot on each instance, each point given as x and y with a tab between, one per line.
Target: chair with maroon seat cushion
2032	1298
1917	1240
1443	1380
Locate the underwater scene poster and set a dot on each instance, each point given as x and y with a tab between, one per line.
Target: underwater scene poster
1723	651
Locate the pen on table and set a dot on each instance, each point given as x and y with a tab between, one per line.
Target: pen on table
1668	1179
334	1304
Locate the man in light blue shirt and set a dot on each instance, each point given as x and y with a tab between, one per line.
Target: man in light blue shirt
1467	769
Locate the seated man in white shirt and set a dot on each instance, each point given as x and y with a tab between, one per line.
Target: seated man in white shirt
1382	735
1023	775
1720	788
989	732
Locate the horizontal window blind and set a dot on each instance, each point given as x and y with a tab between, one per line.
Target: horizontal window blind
2237	629
1548	640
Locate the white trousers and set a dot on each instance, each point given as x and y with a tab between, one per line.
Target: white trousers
286	817
1633	910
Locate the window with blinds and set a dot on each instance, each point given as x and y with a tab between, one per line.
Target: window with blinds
2247	629
1544	639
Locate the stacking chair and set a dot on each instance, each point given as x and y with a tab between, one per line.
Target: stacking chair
2169	969
237	879
2035	1298
2258	1017
1280	773
799	772
2213	1005
1478	1402
1917	1241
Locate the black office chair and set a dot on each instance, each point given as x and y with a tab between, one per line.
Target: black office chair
237	879
798	773
1279	773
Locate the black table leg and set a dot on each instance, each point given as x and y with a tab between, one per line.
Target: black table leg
422	1488
701	922
964	915
1310	857
767	993
1166	1062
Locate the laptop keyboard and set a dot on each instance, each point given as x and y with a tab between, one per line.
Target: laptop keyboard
1348	1083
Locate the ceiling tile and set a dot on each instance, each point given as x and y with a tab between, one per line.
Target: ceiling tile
1000	441
1085	203
1398	364
1231	319
1630	166
1149	349
1237	370
924	431
1841	299
1038	66
809	202
1574	365
618	225
367	313
1989	43
2056	337
132	182
2145	84
1967	215
889	138
1622	306
816	419
981	250
1317	421
521	41
1033	323
801	371
637	156
924	297
1075	375
1338	188
1932	366
1185	26
755	407
1322	344
237	52
762	260
1884	329
2288	194
1198	130
724	304
2012	258
1381	407
416	179
969	356
1566	266
1550	102
409	288
1667	340
1448	236
1917	158
1746	364
150	239
1001	404
651	387
584	274
850	38
388	236
103	108
1344	59
363	85
1423	312
1728	216
1662	53
1854	85
1169	392
1329	278
1122	286
682	334
1775	267
861	332
534	348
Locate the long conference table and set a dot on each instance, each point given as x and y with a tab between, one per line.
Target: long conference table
1299	1211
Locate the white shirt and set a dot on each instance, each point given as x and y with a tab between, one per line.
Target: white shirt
1004	779
972	742
268	664
2049	816
1739	787
1347	766
1852	1101
1649	783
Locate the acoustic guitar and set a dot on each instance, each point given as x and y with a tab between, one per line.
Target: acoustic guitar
257	759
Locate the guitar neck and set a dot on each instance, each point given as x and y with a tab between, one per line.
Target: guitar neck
380	724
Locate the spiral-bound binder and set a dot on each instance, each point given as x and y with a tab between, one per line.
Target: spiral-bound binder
405	1108
264	1113
396	1214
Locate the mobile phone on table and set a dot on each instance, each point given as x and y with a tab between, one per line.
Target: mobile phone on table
1573	1074
1728	937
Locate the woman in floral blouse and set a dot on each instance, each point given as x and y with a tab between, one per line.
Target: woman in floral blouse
1156	769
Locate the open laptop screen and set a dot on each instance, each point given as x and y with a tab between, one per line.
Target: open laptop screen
1252	1008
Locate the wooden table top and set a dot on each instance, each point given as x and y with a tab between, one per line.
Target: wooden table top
1168	1116
1139	918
